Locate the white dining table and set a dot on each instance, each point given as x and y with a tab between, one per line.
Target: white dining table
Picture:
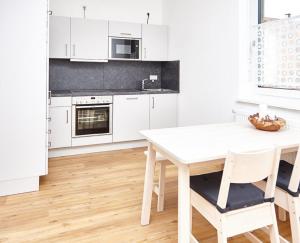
203	145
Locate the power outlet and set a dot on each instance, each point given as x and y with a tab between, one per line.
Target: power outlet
153	77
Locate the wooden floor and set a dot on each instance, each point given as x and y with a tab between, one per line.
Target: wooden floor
97	198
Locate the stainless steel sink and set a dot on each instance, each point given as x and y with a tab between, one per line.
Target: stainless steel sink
157	90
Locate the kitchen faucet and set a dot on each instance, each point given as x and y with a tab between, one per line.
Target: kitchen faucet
152	79
143	83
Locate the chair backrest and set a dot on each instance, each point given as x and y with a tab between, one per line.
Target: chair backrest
250	167
295	177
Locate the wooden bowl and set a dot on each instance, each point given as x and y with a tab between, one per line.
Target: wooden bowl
267	124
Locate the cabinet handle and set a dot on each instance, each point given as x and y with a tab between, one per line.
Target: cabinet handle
66	49
74	50
145	53
153	103
67	111
132	98
49	97
49	119
49	131
125	33
49	144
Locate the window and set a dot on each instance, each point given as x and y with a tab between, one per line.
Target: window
275	57
270	10
249	90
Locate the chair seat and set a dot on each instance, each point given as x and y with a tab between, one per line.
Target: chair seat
240	195
284	177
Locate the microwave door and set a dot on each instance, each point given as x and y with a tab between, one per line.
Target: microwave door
121	48
124	48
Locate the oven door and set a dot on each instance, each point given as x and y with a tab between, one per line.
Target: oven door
91	120
120	48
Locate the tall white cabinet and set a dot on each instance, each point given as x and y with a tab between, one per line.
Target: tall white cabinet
59	37
89	39
23	95
155	42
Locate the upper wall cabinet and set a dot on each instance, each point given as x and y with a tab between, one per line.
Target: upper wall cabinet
89	39
123	29
155	43
59	37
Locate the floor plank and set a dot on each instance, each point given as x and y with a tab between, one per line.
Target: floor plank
97	198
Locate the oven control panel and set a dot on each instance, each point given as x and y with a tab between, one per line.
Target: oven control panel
86	100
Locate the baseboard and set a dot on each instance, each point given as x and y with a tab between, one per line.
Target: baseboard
18	186
53	153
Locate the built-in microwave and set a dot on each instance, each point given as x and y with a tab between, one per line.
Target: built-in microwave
125	48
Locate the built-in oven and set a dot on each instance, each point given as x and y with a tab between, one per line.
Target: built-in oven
92	116
124	48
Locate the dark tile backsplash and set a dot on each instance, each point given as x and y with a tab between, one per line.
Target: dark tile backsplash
66	75
128	75
170	72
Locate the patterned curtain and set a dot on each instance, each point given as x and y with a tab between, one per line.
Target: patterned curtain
275	54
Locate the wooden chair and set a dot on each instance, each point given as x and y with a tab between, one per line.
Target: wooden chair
287	193
159	188
231	203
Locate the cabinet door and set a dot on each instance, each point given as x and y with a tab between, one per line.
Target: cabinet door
130	116
60	133
163	111
155	42
89	39
59	37
123	29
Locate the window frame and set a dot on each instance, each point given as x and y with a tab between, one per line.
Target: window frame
261	8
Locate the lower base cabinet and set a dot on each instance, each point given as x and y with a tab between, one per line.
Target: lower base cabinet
163	111
130	116
133	113
60	130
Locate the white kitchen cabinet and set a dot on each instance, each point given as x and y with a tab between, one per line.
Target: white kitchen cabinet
163	111
123	29
130	116
89	39
60	128
155	42
59	37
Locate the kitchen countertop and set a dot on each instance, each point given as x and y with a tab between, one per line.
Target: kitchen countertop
74	93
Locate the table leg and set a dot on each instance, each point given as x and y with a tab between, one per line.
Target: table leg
184	200
148	185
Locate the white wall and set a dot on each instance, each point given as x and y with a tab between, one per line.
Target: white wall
279	8
204	36
122	10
